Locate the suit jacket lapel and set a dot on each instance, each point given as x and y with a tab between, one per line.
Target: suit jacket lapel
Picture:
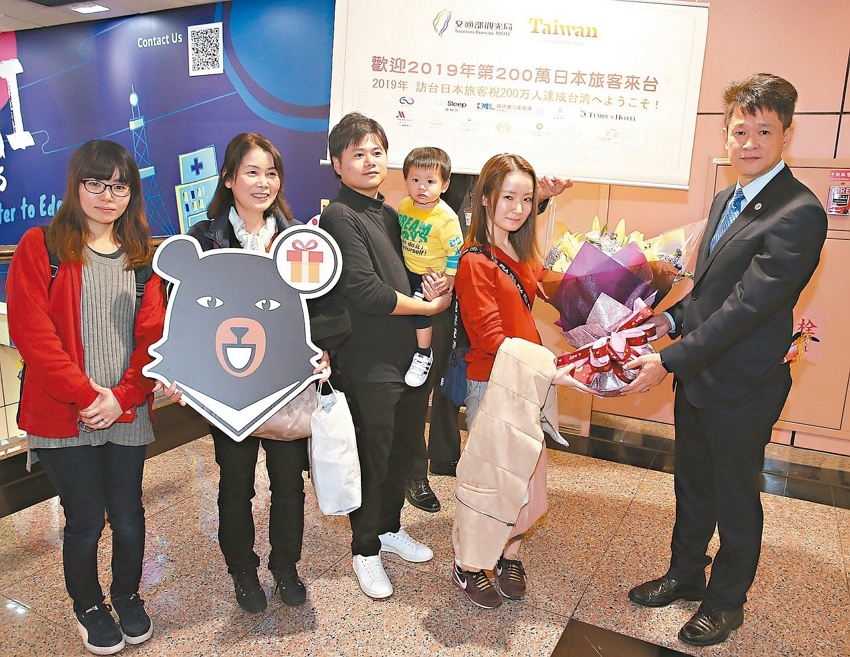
710	229
754	209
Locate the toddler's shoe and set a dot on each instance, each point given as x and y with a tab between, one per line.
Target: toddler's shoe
417	373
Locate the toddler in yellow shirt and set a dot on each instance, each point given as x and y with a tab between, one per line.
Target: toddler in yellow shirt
431	239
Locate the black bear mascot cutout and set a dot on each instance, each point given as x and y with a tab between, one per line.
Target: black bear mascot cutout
237	335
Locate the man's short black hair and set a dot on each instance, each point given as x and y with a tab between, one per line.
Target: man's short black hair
760	92
353	128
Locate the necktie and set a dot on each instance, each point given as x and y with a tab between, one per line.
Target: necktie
732	213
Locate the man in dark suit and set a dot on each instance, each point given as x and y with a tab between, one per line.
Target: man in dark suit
761	246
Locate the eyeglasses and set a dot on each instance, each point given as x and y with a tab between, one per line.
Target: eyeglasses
98	187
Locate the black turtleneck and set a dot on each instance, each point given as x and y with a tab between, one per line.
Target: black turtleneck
369	237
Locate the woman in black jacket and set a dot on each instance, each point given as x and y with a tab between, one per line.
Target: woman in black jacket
248	211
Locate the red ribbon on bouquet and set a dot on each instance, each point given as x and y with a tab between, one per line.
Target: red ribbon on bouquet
612	352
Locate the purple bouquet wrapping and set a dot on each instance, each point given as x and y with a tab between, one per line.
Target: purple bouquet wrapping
604	286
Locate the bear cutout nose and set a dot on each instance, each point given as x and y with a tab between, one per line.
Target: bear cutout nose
244	354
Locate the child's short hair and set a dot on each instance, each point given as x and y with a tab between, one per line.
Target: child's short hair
352	129
428	157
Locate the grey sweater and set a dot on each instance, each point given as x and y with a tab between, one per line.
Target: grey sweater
108	315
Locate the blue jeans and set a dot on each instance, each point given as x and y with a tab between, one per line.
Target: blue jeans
92	481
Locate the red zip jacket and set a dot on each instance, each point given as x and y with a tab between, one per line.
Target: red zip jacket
47	330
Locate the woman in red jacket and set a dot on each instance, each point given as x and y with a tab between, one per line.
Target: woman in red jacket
83	331
495	305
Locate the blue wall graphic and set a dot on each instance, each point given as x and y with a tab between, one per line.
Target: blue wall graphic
135	80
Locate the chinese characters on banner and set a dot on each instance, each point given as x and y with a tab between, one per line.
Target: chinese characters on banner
604	91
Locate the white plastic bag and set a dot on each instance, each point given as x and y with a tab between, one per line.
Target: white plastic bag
334	463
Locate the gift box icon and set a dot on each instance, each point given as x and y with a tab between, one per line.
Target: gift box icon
304	261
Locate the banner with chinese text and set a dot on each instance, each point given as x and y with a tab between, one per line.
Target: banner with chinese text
602	91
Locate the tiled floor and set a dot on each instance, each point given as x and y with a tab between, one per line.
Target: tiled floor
608	528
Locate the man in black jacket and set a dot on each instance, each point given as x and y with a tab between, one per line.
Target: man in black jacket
762	244
370	365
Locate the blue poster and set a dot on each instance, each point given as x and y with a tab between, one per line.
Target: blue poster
173	88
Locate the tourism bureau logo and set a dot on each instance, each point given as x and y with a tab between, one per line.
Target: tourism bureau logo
443	21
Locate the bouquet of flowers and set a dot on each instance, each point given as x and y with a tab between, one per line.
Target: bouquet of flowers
604	286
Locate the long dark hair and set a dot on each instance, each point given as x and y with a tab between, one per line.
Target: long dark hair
67	234
497	168
238	147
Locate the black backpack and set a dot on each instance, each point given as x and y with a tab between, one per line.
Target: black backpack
143	275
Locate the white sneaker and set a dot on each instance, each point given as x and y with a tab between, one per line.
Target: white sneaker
417	373
407	548
372	577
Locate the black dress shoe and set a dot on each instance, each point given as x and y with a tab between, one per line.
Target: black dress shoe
420	495
664	590
448	468
709	626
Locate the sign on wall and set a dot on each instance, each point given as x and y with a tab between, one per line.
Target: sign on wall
602	91
173	88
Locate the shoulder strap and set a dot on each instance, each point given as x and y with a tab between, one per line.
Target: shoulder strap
459	337
508	271
460	340
143	275
54	259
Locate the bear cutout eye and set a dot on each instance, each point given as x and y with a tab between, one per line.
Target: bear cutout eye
267	304
210	302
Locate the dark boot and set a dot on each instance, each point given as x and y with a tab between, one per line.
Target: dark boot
291	588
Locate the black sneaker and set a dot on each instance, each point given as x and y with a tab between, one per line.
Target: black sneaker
101	635
135	623
292	590
249	593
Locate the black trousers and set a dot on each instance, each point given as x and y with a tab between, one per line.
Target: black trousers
389	418
444	434
237	461
718	463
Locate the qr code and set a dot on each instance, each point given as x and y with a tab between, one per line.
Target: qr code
206	54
